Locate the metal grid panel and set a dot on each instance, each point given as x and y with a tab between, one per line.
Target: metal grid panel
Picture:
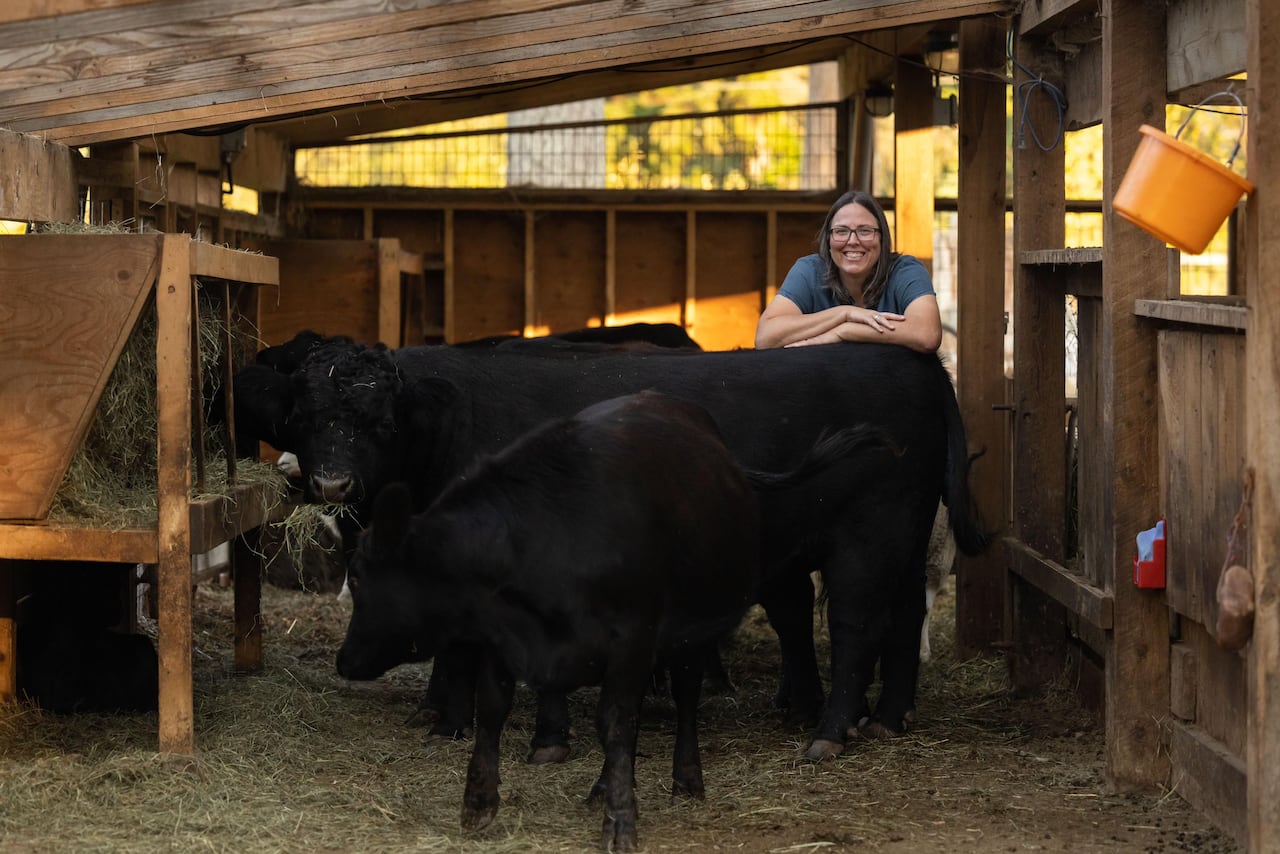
777	149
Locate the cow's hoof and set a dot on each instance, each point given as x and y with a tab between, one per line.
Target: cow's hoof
421	717
549	754
877	730
439	733
618	837
821	750
478	819
690	787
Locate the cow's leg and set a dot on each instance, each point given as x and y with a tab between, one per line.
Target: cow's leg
617	725
715	675
686	689
550	741
494	691
857	617
900	658
787	599
457	665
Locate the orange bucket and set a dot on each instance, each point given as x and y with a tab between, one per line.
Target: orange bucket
1177	193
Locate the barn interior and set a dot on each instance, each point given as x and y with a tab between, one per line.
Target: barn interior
163	116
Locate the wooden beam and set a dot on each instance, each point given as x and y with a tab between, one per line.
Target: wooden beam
225	81
1220	315
1137	662
1044	16
173	490
389	291
27	10
1262	356
1207	41
1067	588
1038	626
980	290
40	180
1210	778
913	156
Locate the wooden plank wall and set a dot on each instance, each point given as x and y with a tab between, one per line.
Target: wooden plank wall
1202	458
530	269
327	286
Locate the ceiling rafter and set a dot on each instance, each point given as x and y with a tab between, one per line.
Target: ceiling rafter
131	70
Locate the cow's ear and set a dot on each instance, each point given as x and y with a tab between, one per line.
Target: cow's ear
391	513
423	400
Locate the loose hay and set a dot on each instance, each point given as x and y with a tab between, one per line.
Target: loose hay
295	759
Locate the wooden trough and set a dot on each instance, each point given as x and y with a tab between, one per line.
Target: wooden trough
68	303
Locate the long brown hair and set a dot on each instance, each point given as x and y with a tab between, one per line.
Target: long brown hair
873	289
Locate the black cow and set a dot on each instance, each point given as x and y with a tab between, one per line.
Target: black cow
368	416
586	552
626	335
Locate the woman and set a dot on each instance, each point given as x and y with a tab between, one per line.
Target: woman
854	288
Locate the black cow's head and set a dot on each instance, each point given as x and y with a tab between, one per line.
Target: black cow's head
344	421
388	625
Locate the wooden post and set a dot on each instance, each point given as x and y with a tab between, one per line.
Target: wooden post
980	583
173	401
1137	659
8	633
1262	355
913	154
246	568
389	291
1039	375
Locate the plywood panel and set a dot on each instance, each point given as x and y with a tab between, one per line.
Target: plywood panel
650	267
335	224
419	231
796	237
488	259
1221	688
327	286
1182	464
67	306
569	270
1221	384
731	251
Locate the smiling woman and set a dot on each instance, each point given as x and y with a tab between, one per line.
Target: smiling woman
854	288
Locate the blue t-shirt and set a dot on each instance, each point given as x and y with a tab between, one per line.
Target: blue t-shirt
804	286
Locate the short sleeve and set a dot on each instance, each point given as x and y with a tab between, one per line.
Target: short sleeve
908	281
803	284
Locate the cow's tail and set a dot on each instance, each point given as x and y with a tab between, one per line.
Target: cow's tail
971	537
830	448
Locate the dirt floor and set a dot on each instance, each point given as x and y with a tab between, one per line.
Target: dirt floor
295	759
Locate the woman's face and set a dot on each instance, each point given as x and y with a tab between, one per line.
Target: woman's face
855	256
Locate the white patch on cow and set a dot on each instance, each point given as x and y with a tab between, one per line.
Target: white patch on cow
938	565
288	463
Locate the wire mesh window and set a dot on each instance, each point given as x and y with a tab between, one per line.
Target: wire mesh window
791	148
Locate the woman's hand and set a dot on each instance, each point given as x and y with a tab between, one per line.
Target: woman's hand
856	321
880	321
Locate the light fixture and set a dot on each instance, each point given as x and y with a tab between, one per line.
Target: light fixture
939	51
878	100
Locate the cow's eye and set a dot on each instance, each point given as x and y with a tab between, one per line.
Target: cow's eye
353	583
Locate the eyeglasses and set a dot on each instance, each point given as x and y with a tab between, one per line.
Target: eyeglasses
865	233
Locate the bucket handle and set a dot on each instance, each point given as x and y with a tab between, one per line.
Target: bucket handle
1232	95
